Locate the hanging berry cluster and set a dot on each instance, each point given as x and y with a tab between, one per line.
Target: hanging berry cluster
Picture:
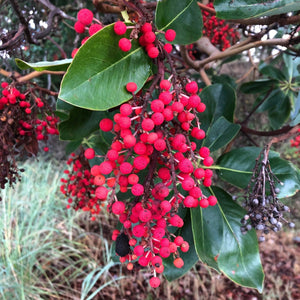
296	142
85	18
154	164
23	122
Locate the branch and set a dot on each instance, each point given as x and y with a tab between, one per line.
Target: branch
280	131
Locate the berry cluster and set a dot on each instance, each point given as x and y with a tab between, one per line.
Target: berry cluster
296	141
147	39
265	211
153	163
85	17
23	121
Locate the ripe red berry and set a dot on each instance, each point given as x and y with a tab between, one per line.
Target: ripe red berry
120	28
101	192
157	105
146	27
95	28
208	161
203	203
138	250
106	124
165	84
140	162
212	200
154	282
131	87
145	215
89	153
204	152
79	27
125	168
138	190
105	168
192	87
170	35
168	48
160	145
124	44
147	124
153	52
118	207
165	252
185	247
138	230
185	166
85	16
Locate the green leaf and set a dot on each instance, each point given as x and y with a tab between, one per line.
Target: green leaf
220	243
184	16
295	116
237	165
97	77
220	101
190	258
80	122
220	134
244	9
258	86
57	65
224	79
272	72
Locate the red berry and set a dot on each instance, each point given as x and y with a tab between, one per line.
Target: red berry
204	152
164	252
168	48
131	87
149	37
140	162
129	141
147	124
157	105
85	16
120	28
74	52
124	44
138	230
157	118
146	27
145	215
106	124
89	153
185	166
154	282
208	161
170	35
138	190
160	145
203	203
165	84
95	28
185	247
153	52
125	168
101	192
79	27
212	200
192	87
118	207
138	250
105	168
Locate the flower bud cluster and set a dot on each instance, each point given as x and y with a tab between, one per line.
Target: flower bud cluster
23	122
153	163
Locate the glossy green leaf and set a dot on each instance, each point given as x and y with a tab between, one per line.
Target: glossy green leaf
295	116
80	122
97	77
272	72
237	165
220	243
244	9
220	134
258	86
190	258
220	101
224	79
57	65
184	16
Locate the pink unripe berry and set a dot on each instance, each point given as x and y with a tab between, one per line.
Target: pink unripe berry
170	35
120	28
79	27
85	16
89	153
106	124
118	207
138	190
154	282
124	44
131	87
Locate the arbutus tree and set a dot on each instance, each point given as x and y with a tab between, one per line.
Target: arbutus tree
156	127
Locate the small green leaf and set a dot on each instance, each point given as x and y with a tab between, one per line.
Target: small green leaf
97	77
190	258
220	134
295	116
184	16
57	65
220	101
237	165
272	72
244	9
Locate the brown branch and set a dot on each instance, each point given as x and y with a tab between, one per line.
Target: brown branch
35	74
280	131
204	77
206	8
13	40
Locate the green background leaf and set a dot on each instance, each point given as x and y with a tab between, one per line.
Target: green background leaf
220	102
57	65
97	77
220	134
244	9
220	243
258	86
184	16
237	165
